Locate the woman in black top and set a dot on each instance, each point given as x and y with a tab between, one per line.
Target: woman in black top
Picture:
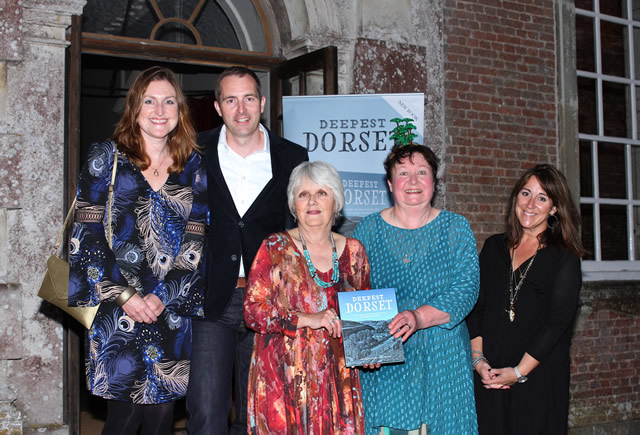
520	329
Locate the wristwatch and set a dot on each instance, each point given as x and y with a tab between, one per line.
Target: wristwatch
521	379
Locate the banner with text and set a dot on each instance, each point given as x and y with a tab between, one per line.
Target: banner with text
351	132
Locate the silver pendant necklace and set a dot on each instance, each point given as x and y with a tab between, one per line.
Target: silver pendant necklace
406	259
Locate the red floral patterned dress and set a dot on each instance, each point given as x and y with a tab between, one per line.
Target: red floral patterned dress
298	382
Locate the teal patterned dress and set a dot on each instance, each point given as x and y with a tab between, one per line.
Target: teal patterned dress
435	384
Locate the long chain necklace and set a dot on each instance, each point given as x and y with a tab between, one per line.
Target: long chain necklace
514	291
406	259
312	269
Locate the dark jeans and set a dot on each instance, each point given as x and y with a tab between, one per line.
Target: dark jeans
221	351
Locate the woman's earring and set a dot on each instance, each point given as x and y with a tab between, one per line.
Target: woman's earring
554	223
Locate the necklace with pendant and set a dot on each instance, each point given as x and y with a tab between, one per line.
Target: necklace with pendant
155	170
514	291
406	259
312	269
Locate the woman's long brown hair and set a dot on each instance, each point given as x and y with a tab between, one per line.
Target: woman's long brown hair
181	141
566	232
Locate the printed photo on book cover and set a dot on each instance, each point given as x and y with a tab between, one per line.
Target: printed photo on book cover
365	316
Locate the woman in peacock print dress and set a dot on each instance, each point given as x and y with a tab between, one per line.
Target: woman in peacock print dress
148	283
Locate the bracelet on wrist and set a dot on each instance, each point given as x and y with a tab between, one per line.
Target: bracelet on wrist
477	360
478	352
125	296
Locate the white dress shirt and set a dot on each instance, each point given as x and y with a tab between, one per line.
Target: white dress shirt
245	176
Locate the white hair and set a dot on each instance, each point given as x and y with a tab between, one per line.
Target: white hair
321	173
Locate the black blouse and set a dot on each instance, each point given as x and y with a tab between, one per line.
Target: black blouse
544	309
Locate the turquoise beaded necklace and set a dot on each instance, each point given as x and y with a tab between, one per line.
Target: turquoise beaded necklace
312	269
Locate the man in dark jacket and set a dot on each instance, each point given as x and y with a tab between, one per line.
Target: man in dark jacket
248	170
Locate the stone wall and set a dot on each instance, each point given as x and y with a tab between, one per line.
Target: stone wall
32	91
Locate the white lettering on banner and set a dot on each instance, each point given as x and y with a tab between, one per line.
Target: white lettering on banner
362	184
364	197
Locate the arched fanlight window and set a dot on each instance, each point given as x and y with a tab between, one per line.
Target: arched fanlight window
227	24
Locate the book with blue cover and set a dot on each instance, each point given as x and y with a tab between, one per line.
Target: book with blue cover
365	316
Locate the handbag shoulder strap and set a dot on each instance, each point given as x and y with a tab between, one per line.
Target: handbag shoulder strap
110	200
64	225
75	201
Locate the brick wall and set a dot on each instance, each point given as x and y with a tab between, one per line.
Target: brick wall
605	355
500	118
499	102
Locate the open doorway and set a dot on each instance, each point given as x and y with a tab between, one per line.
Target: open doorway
113	41
106	80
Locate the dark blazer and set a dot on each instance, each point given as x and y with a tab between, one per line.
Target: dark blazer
232	236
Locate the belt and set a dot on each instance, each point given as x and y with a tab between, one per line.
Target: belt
242	282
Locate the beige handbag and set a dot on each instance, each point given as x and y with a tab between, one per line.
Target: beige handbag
55	284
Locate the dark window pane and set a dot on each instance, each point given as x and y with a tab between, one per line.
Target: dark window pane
214	27
635	9
611	171
636	51
587	107
586	169
611	7
636	231
586	212
585	4
613	232
175	32
635	173
137	18
584	44
614	108
291	86
612	40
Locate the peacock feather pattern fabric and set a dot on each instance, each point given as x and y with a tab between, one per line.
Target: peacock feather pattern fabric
157	246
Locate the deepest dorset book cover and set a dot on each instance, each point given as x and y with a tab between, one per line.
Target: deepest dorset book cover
365	316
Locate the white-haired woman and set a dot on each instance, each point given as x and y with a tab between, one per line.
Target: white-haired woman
298	382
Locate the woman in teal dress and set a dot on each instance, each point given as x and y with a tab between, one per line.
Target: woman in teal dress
429	256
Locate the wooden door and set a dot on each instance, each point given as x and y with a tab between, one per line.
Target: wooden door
300	76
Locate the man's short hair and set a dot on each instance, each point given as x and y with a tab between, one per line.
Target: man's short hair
238	71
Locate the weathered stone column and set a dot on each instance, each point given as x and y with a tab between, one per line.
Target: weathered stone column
32	98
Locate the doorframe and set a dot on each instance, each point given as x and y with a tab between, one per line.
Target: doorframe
82	43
